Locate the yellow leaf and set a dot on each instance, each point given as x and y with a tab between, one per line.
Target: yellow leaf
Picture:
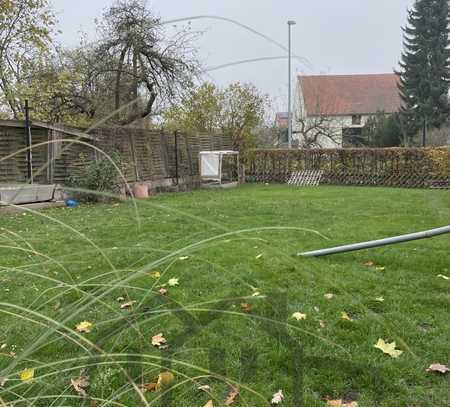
329	296
345	316
84	326
158	340
165	379
209	404
388	348
183	258
299	316
379	299
340	403
155	274
258	256
26	375
173	282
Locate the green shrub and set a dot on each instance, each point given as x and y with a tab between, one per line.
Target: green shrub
96	175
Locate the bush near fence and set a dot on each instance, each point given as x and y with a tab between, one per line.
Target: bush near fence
397	167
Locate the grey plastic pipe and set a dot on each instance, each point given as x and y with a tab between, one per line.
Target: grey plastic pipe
377	243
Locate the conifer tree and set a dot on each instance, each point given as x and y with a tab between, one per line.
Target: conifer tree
425	67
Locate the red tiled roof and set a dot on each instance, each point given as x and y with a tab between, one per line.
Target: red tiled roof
350	94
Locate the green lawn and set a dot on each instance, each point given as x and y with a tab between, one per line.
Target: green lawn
226	248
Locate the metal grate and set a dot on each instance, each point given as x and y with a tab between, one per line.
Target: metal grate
305	178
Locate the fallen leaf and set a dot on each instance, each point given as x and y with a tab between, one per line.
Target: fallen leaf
380	268
369	264
84	326
158	340
26	375
128	304
379	299
438	368
256	294
258	256
162	291
209	404
341	403
4	346
56	306
80	385
322	324
388	348
183	258
3	381
150	386
299	316
165	379
444	277
205	387
246	307
173	282
120	299
329	296
232	394
278	397
345	316
155	274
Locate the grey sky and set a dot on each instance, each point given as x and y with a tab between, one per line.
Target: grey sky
347	36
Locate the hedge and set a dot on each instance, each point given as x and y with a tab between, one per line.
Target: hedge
400	167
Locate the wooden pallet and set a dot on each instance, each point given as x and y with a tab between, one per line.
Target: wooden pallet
305	178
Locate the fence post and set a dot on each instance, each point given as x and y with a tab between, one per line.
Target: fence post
176	156
28	143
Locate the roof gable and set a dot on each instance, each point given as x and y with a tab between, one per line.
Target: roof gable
335	95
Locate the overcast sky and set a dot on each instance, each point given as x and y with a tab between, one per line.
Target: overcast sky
339	37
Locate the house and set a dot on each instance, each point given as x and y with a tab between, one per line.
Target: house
331	110
282	120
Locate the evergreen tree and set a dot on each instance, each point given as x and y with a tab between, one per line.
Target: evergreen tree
425	68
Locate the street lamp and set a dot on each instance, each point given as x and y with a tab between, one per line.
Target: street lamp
290	24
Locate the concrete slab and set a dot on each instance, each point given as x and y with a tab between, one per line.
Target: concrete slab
11	210
26	193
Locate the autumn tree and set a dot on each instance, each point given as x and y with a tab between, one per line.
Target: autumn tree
237	111
242	111
26	29
198	112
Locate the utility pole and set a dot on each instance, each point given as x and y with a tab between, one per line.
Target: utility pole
290	24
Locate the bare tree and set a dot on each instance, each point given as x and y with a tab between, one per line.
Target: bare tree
318	131
145	65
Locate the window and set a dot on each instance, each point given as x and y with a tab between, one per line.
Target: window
356	120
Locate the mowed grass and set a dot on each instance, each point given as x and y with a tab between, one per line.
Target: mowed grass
227	248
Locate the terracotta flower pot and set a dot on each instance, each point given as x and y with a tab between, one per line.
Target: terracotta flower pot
140	191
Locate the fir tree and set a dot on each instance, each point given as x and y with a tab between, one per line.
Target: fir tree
425	68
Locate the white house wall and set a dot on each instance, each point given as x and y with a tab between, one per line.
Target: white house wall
336	123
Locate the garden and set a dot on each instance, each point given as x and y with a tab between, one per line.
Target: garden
199	299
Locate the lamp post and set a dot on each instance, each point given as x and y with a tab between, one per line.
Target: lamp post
290	24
